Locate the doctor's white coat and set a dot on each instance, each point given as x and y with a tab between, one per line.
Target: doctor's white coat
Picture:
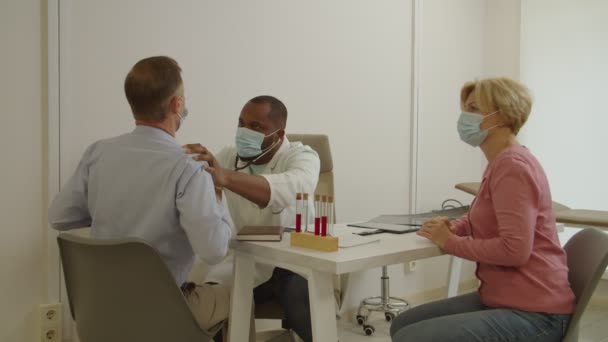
294	168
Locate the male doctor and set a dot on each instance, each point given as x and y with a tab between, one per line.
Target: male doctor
260	177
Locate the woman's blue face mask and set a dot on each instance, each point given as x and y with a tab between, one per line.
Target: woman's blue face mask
469	128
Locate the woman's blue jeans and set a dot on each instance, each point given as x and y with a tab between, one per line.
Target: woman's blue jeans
465	318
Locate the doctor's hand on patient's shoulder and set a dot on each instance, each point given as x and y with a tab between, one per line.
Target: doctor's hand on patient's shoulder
438	230
215	169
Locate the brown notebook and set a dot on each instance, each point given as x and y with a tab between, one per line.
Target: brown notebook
260	233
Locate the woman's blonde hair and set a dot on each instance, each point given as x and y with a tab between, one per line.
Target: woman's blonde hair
510	98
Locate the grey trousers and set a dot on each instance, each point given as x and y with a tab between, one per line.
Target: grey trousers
465	318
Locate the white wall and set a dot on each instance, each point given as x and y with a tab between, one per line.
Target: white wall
451	53
502	38
564	60
342	72
23	247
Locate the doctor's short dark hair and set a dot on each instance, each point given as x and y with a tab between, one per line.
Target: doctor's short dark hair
278	111
150	85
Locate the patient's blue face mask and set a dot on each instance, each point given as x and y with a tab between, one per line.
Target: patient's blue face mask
182	117
469	128
249	143
184	114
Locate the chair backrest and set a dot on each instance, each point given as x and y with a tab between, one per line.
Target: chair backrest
121	290
587	254
319	143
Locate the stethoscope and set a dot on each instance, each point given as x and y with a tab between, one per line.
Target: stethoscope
250	162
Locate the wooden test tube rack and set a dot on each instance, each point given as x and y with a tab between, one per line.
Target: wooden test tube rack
316	242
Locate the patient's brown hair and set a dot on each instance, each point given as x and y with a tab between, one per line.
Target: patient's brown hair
150	85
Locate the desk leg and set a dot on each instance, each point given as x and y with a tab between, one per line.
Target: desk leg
454	276
322	307
241	298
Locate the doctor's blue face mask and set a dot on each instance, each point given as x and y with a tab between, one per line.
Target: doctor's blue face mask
469	128
249	143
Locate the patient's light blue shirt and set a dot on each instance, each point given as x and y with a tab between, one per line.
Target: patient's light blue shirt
143	185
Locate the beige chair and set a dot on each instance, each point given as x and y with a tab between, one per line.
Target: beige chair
122	291
319	143
325	186
587	254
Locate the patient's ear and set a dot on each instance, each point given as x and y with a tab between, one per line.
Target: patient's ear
175	104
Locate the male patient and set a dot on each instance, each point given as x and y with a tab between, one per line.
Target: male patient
141	184
261	175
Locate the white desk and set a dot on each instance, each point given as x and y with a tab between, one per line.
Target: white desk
318	268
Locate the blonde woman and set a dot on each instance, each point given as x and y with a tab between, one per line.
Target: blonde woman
524	294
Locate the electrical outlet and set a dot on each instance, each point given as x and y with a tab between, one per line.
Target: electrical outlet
49	316
410	266
50	335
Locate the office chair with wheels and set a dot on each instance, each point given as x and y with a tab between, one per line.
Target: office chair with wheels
587	254
122	291
390	306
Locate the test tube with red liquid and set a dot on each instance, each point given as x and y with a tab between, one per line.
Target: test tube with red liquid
331	214
317	214
323	215
305	210
298	212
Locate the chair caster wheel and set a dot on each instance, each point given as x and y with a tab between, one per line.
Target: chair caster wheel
389	316
369	330
360	320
